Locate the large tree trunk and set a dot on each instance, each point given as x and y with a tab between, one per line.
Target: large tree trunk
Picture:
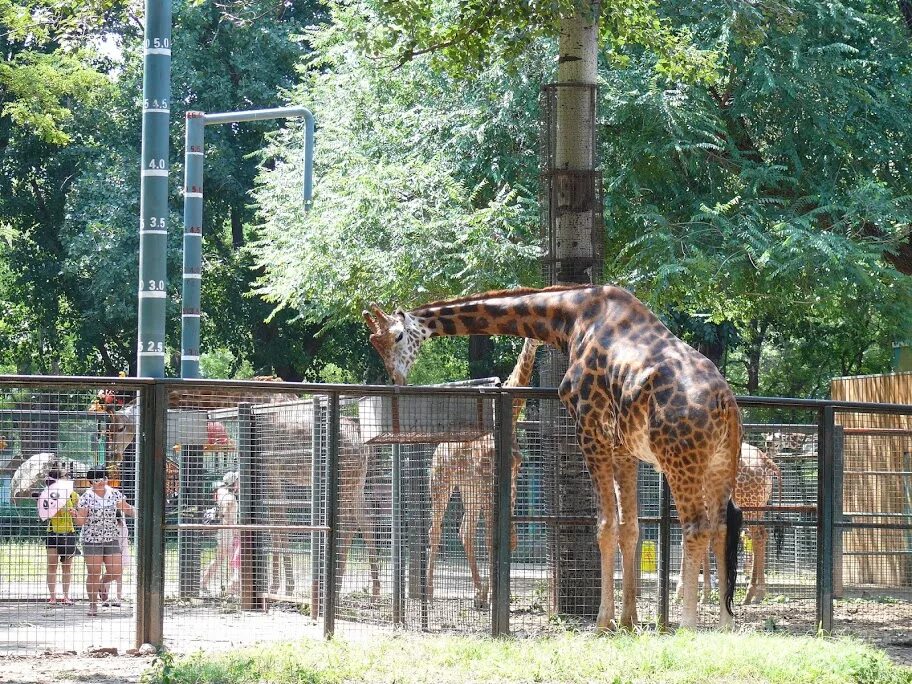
481	356
572	195
575	146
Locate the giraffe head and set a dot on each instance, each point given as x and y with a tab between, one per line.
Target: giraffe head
396	338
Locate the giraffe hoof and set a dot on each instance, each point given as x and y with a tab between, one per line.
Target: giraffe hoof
608	627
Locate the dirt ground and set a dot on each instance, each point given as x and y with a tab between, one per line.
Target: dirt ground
72	669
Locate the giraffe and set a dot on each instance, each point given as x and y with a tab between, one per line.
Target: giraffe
470	467
635	391
753	488
289	423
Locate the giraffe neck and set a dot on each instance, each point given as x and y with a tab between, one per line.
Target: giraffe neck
522	374
525	364
546	315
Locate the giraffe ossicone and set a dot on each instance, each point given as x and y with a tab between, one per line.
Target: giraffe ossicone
635	391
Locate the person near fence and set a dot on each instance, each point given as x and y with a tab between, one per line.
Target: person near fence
97	513
228	541
124	541
61	542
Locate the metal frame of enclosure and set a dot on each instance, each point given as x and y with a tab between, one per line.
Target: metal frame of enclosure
345	482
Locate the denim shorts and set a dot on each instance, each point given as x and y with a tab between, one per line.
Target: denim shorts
111	548
64	543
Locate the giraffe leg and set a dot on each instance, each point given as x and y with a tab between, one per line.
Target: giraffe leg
440	496
695	527
679	591
287	562
373	559
707	579
514	476
607	534
467	535
275	577
625	474
756	590
346	535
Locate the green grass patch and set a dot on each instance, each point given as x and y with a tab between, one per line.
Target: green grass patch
683	658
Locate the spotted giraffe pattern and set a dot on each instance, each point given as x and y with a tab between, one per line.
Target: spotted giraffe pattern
469	467
635	391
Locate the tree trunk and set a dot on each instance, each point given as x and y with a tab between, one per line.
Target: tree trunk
237	228
754	353
572	195
481	359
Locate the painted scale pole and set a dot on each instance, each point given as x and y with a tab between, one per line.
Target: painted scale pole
194	157
153	192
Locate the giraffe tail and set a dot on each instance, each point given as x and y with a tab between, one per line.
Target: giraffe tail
733	519
778	520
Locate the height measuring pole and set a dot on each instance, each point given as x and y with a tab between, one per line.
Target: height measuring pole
194	155
153	190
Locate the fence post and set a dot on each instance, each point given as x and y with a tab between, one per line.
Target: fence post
396	534
150	518
332	516
825	517
253	561
664	559
502	512
838	518
316	514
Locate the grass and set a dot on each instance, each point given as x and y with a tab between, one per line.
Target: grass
683	658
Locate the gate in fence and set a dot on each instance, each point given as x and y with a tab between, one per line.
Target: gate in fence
250	495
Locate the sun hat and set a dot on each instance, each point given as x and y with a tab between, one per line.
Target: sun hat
230	478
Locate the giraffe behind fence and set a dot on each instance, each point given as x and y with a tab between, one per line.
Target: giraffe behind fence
635	391
469	466
296	426
753	489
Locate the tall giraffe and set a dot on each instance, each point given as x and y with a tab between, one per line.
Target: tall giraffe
753	488
470	467
636	392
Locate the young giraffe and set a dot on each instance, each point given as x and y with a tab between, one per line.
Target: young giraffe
470	467
753	488
636	392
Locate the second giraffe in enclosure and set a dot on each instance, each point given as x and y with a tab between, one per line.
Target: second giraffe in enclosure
635	391
753	489
469	466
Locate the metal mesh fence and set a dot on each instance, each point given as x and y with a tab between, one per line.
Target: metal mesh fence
66	586
872	545
268	489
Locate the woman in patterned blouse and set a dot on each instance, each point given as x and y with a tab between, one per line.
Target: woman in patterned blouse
97	514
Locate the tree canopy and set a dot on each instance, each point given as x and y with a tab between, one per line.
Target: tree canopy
754	156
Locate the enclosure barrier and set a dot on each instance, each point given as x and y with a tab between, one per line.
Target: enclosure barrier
275	510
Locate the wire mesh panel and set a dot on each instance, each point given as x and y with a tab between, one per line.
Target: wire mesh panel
872	563
66	487
776	488
238	553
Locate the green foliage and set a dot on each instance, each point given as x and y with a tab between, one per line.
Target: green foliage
464	37
768	199
394	222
